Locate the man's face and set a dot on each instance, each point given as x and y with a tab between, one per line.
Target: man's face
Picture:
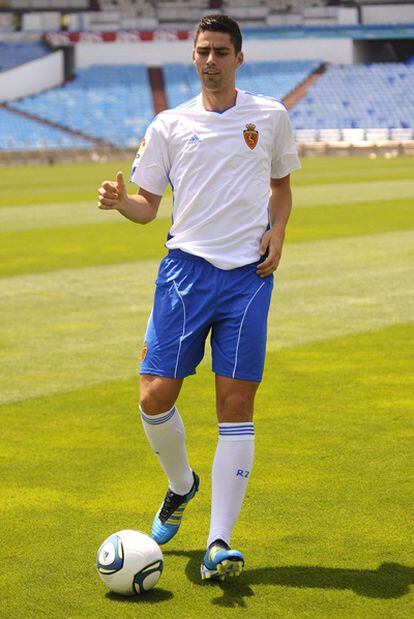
216	60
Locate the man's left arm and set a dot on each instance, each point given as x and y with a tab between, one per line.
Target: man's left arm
280	205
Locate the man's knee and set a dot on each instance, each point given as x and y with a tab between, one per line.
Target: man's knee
235	407
235	399
158	394
152	404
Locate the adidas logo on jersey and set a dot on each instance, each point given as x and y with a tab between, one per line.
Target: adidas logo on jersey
194	139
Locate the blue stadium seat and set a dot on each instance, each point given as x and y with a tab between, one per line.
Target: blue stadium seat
109	102
13	54
379	95
20	133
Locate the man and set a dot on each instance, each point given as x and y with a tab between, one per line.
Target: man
227	155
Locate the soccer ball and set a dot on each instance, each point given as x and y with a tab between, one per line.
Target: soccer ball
129	562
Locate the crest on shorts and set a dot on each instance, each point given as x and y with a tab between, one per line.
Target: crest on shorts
144	351
251	135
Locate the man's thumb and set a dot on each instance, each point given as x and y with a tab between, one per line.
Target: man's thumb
120	182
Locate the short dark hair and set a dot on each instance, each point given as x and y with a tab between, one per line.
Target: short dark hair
220	23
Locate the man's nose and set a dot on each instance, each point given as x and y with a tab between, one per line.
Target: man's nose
211	58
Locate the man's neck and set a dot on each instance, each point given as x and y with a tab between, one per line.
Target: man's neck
219	101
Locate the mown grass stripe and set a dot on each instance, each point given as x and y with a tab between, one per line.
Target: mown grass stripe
31	251
356	284
61	183
349	220
84	326
346	193
331	170
32	217
50	249
72	182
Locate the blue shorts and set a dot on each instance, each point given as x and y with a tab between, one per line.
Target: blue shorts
193	298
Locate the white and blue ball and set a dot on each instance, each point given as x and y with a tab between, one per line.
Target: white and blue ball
129	562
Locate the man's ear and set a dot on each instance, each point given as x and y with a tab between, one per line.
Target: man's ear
240	59
193	56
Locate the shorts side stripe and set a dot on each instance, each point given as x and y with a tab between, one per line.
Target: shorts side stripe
183	333
241	326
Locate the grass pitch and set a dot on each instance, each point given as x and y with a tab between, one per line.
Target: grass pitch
326	527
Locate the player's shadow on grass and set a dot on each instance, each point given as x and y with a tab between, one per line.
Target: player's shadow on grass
389	580
151	597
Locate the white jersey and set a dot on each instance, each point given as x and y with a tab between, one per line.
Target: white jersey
219	166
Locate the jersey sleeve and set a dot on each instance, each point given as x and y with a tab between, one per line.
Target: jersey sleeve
284	156
151	166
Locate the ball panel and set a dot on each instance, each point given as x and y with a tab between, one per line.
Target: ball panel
148	577
110	557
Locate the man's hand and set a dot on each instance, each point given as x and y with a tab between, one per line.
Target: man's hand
280	205
272	242
113	195
140	208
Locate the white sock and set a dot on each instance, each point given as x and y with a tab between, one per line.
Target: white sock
231	471
166	435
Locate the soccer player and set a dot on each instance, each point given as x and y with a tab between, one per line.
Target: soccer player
227	155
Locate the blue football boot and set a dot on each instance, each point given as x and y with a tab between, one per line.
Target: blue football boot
168	518
220	562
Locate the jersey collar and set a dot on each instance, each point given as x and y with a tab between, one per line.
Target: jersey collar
236	104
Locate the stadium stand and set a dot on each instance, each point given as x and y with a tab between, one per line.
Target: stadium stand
22	134
108	102
372	97
13	54
106	15
114	15
114	102
273	79
48	5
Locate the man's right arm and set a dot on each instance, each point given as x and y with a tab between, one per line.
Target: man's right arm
140	208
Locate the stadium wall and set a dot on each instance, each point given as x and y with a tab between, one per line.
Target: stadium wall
393	13
32	77
157	53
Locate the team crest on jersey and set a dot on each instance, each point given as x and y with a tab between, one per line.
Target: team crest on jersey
251	135
144	351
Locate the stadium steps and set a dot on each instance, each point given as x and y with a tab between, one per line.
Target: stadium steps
53	125
298	93
159	97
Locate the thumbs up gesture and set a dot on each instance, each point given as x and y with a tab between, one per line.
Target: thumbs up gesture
111	194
